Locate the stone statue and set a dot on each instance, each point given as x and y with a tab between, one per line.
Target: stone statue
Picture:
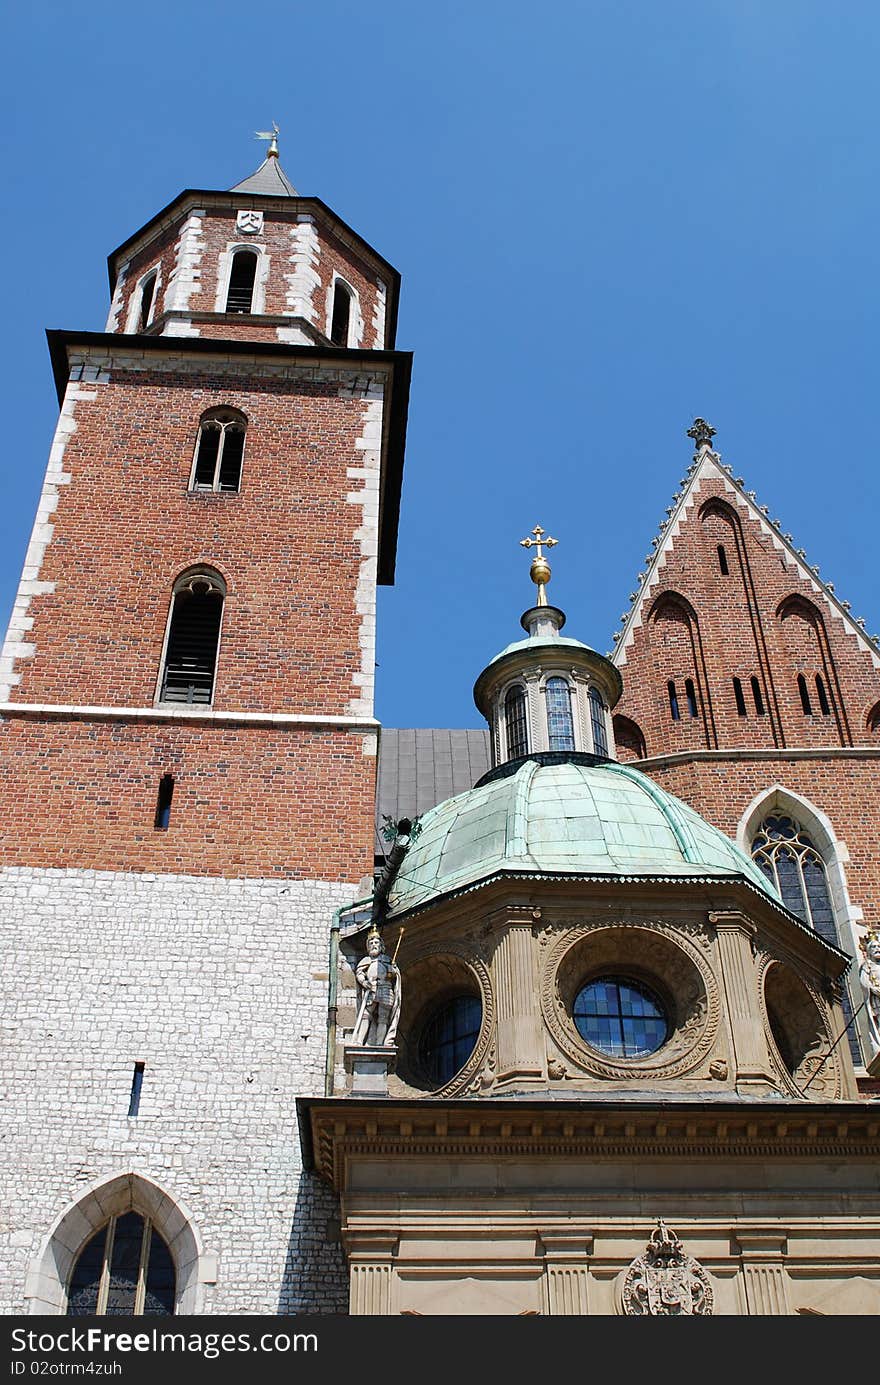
379	991
869	975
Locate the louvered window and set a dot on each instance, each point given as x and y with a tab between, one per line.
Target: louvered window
240	294
219	451
193	637
341	314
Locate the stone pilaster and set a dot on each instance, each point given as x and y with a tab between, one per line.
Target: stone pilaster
735	933
566	1272
518	1023
371	1261
764	1274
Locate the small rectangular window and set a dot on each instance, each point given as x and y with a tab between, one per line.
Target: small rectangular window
673	700
137	1082
738	695
722	560
163	803
757	697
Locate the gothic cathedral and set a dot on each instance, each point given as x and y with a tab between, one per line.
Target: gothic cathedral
596	1030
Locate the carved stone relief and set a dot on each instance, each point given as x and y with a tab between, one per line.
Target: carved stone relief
665	1281
653	950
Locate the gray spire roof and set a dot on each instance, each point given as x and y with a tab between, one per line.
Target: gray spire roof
269	180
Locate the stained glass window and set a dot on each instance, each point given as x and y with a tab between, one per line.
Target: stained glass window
125	1270
449	1036
787	856
559	723
515	722
620	1017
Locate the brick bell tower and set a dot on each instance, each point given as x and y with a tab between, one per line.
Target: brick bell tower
189	745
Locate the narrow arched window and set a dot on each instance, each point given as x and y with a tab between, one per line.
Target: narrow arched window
219	451
597	721
560	727
805	695
691	695
515	723
125	1270
824	706
242	277
341	315
787	856
738	697
722	560
757	697
193	639
673	700
147	294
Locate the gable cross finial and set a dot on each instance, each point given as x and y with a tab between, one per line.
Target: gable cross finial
540	568
272	137
702	433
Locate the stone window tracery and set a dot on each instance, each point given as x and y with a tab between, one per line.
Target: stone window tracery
126	1270
219	451
787	856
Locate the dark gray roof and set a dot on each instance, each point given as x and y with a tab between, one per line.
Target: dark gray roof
269	179
421	767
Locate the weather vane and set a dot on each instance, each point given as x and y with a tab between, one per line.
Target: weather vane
540	569
272	136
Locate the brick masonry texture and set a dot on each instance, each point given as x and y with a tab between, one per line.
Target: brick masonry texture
762	620
288	544
248	801
217	232
220	988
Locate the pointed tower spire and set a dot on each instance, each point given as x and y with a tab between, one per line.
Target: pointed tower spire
270	178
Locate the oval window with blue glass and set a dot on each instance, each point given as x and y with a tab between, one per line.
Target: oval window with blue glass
620	1017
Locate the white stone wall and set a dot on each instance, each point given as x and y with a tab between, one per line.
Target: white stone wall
220	988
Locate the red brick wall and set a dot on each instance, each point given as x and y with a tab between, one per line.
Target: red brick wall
126	526
218	232
248	801
737	624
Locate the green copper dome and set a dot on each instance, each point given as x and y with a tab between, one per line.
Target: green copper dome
573	815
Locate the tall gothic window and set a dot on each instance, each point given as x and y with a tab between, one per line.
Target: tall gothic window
597	720
219	451
515	723
125	1270
787	856
560	726
193	639
242	276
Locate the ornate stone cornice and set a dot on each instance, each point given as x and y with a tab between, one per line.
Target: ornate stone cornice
339	1131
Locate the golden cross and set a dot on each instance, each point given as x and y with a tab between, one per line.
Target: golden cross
540	569
537	541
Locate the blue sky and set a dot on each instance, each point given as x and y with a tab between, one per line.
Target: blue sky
609	216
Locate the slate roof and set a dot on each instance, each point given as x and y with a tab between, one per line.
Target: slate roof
269	180
420	767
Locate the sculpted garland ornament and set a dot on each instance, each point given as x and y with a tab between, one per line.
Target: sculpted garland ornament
665	1281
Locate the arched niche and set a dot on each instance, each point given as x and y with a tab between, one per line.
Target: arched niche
628	739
